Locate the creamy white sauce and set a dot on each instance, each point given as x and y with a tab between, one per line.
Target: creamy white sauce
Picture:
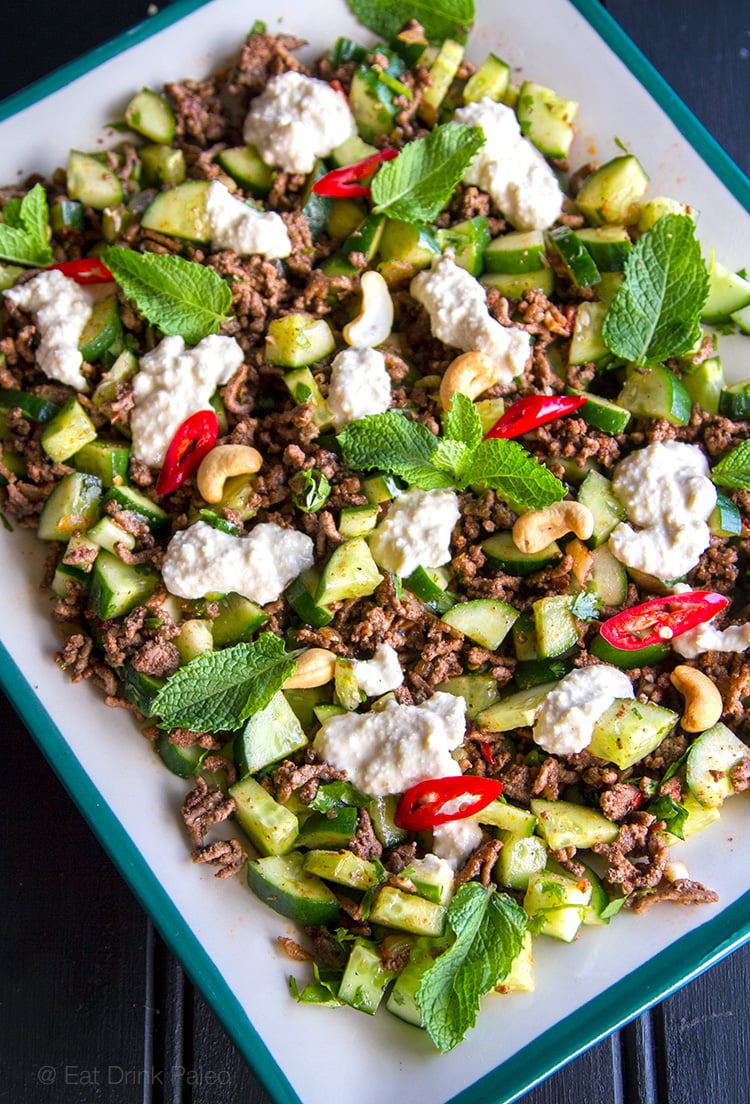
666	491
173	383
296	120
454	842
389	750
381	673
234	225
416	531
201	560
61	308
457	305
565	722
707	638
510	168
359	385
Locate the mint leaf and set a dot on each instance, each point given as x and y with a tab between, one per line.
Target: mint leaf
219	690
489	929
462	422
734	470
311	490
416	185
453	457
440	19
179	296
671	812
393	443
24	235
656	313
612	909
508	468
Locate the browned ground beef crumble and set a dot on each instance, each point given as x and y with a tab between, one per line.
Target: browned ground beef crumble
260	413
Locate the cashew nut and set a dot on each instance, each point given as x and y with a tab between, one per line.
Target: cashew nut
221	463
470	374
315	667
375	319
583	560
703	704
535	530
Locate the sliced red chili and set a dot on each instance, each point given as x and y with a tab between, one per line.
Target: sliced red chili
440	800
532	411
662	619
86	270
342	183
195	437
486	749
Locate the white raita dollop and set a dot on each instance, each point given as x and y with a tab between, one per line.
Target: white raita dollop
296	120
202	560
510	168
565	722
416	531
457	305
454	842
173	383
387	751
61	308
707	638
235	225
360	385
381	673
666	491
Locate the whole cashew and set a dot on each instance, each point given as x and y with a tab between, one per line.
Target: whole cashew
703	704
535	530
315	667
375	319
470	374
221	463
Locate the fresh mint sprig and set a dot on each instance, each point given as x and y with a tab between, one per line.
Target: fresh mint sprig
24	235
489	928
416	185
440	19
460	458
180	297
218	691
733	471
656	312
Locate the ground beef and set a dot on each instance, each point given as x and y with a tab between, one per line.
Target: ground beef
623	798
204	807
480	863
365	844
637	858
681	892
290	777
228	855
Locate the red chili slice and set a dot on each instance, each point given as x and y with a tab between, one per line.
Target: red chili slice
424	805
341	183
662	619
195	437
532	411
87	270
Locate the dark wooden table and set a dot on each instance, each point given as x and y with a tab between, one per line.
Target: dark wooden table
93	1007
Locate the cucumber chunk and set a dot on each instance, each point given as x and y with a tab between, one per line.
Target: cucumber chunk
108	460
238	619
342	867
612	193
517	710
515	285
117	587
351	572
245	165
565	824
92	182
406	912
70	429
728	292
72	507
442	72
610	246
556	627
487	621
520	858
162	165
282	882
490	80
478	691
705	385
709	762
656	393
734	401
269	735
629	730
298	340
180	212
503	553
271	828
323	831
557	904
517	251
102	329
596	493
576	259
151	115
365	978
130	498
546	119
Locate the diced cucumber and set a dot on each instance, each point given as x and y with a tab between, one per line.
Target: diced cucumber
402	999
300	594
564	824
269	735
271	828
304	702
508	818
478	691
102	329
323	831
524	638
180	212
151	115
520	858
382	811
558	904
380	488
516	252
503	553
372	101
705	384
351	572
487	621
194	638
734	401
587	345
629	730
515	285
342	867
653	209
608	579
33	407
710	759
489	411
162	165
107	533
468	241
358	521
725	520
344	217
432	878
365	978
728	292
140	689
117	587
130	498
304	389
348	691
182	761
576	259
282	882
121	371
108	460
556	627
610	246
612	193
626	658
72	507
490	80
520	977
239	496
406	912
656	393
351	151
405	249
66	215
741	319
92	182
517	710
297	340
245	165
442	73
546	119
597	495
238	619
601	413
70	429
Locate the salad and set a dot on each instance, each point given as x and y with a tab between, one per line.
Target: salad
389	501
